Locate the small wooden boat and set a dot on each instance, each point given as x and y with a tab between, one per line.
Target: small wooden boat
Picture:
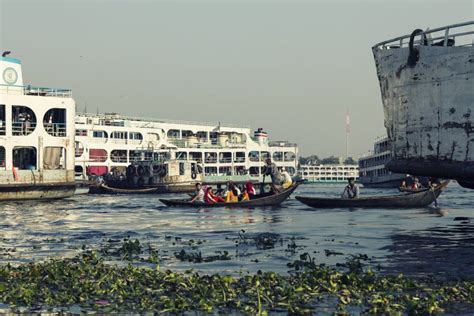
407	200
259	200
410	190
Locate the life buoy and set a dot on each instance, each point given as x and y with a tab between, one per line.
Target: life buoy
193	175
156	168
140	170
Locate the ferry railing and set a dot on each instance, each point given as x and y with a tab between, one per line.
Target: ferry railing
23	128
442	33
239	159
121	159
36	91
225	160
211	160
2	128
55	129
98	158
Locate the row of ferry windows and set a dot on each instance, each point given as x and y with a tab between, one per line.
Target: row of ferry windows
375	161
113	135
240	170
24	121
25	158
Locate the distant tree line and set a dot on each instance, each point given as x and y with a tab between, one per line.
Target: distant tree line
331	160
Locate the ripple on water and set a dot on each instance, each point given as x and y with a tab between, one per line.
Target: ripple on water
403	240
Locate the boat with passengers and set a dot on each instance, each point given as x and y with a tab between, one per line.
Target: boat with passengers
36	137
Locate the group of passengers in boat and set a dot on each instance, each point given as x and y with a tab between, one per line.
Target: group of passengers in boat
413	183
230	194
281	180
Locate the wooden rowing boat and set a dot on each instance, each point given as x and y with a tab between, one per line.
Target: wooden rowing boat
110	190
407	200
260	200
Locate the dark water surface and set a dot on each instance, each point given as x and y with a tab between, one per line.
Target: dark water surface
415	242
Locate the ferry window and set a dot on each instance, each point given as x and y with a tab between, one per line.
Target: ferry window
24	158
290	156
97	155
278	156
2	157
78	170
81	132
2	120
202	137
79	149
225	157
173	133
197	156
291	170
225	171
135	136
254	156
254	171
181	155
52	158
119	135
99	134
240	170
23	120
210	171
187	133
211	157
54	122
135	155
264	155
181	169
118	155
213	138
239	156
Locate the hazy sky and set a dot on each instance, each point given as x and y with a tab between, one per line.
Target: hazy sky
291	67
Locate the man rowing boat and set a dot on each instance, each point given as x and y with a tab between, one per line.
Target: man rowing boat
351	191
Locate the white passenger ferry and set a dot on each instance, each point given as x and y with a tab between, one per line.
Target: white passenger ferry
328	173
372	166
36	137
225	152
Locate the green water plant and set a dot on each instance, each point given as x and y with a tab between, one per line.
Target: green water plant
94	285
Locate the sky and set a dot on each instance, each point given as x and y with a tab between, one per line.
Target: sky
291	67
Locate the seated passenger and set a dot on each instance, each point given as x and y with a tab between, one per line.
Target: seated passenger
199	194
211	198
232	194
287	181
244	196
250	189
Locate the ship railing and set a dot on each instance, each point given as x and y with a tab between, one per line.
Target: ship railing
121	159
461	33
55	129
282	144
239	159
98	158
36	91
3	129
150	120
23	128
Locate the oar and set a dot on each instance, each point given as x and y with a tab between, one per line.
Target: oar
262	186
435	200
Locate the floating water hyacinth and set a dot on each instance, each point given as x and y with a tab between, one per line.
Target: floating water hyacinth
89	282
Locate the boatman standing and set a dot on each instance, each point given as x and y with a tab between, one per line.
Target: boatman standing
272	170
351	191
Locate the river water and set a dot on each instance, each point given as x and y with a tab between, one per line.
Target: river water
415	241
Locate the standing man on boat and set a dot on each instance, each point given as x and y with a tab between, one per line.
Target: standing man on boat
351	190
272	170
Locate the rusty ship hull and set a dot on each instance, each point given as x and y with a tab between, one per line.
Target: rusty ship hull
427	86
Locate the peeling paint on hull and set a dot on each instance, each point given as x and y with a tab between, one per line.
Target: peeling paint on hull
13	192
429	109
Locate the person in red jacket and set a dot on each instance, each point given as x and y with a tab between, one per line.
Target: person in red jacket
211	198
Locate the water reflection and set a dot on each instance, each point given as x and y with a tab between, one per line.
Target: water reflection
403	240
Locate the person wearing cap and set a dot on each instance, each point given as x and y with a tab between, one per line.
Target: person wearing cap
351	191
272	170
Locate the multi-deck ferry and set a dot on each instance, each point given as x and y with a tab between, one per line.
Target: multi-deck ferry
427	85
372	166
225	152
328	173
36	137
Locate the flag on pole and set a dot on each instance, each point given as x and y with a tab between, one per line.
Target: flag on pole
348	129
